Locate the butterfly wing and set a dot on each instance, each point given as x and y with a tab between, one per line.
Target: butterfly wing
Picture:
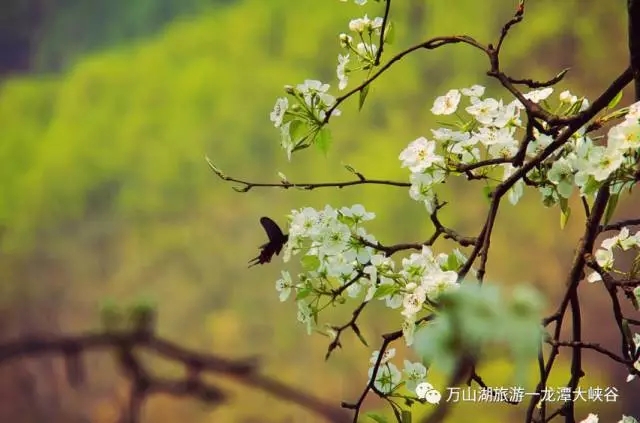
277	239
266	253
278	247
273	230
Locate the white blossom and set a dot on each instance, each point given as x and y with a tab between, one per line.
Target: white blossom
447	104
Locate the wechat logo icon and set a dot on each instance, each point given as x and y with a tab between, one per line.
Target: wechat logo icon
425	391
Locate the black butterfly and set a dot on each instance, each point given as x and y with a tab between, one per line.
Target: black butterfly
277	239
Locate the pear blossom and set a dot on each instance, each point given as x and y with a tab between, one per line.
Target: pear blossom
388	355
420	155
537	96
387	378
341	71
284	285
561	174
591	418
567	97
282	104
485	111
447	104
415	373
473	91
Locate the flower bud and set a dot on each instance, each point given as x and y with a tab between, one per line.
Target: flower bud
354	25
345	40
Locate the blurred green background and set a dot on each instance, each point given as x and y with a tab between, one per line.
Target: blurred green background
107	109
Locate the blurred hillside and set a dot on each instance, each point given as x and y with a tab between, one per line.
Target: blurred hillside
106	193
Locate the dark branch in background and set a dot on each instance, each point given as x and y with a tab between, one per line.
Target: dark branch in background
126	345
590	346
633	11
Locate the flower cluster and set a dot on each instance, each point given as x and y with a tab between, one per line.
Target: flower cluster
593	418
341	260
339	256
301	121
588	165
490	128
389	378
604	255
490	131
364	49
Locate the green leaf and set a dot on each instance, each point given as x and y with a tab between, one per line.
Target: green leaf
215	168
452	262
384	290
323	139
288	117
310	262
363	96
406	416
565	212
350	168
300	146
390	33
303	293
615	100
377	418
356	330
611	207
564	217
575	107
298	130
591	186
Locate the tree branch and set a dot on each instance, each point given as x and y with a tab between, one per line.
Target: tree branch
124	345
304	186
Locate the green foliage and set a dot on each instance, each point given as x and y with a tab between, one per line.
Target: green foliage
72	28
473	318
377	418
323	139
